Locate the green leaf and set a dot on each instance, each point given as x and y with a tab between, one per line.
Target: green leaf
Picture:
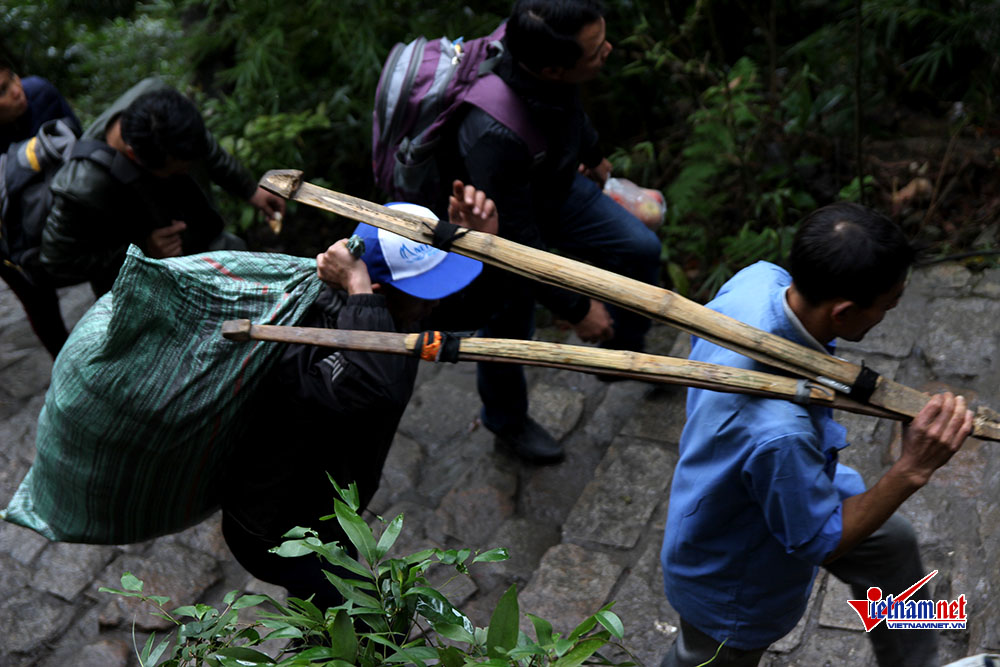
317	653
580	653
309	611
349	495
420	557
389	536
187	610
585	626
115	591
351	592
454	632
502	633
563	645
529	651
149	654
416	654
343	638
611	621
286	632
298	533
492	556
357	531
543	629
130	582
230	596
678	278
337	555
245	655
451	656
291	549
249	601
436	608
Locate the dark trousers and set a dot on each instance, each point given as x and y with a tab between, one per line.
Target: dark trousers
596	229
41	305
889	559
301	576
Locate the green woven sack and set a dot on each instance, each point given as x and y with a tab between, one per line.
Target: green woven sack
146	396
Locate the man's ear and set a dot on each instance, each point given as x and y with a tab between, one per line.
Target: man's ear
552	73
841	310
376	288
130	154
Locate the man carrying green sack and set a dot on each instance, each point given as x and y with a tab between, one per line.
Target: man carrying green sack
153	418
326	411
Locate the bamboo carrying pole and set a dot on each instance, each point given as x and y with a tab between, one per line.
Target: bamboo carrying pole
634	365
654	302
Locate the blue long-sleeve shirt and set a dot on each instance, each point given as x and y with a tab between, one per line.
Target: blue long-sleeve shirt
755	503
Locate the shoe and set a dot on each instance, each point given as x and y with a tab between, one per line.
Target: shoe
532	443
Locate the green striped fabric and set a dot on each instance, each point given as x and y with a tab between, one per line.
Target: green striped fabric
146	397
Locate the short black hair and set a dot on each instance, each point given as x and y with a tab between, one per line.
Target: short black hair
848	251
542	33
161	124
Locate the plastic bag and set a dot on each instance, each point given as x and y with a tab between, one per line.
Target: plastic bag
644	203
146	397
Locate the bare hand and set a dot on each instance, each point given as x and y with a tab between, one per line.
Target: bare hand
597	326
166	241
598	174
469	207
934	435
337	267
267	203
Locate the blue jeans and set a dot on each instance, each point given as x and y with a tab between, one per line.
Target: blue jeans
596	229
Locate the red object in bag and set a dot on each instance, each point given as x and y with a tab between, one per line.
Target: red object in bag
644	203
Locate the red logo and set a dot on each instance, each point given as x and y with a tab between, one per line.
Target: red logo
901	613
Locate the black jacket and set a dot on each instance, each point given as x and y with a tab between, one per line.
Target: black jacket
529	194
320	411
98	211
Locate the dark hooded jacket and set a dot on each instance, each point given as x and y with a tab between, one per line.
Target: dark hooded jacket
99	209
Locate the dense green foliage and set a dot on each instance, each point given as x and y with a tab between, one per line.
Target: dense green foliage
746	114
390	614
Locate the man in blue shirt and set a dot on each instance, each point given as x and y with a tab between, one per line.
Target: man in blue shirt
758	499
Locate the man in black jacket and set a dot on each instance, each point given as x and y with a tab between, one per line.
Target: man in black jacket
553	202
148	187
336	411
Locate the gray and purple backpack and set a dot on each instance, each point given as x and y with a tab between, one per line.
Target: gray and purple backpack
422	87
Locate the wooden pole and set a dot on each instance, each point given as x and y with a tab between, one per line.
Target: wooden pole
633	365
649	300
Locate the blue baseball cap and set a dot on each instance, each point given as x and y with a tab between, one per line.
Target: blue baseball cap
418	269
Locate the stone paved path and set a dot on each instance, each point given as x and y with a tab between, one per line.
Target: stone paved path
580	534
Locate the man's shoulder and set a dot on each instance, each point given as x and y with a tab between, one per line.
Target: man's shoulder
37	85
757	276
753	296
86	182
477	125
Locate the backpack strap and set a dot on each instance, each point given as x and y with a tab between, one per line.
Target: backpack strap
93	150
492	94
118	165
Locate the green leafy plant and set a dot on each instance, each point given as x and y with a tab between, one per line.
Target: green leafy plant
390	614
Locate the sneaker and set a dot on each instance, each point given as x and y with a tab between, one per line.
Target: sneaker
532	443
